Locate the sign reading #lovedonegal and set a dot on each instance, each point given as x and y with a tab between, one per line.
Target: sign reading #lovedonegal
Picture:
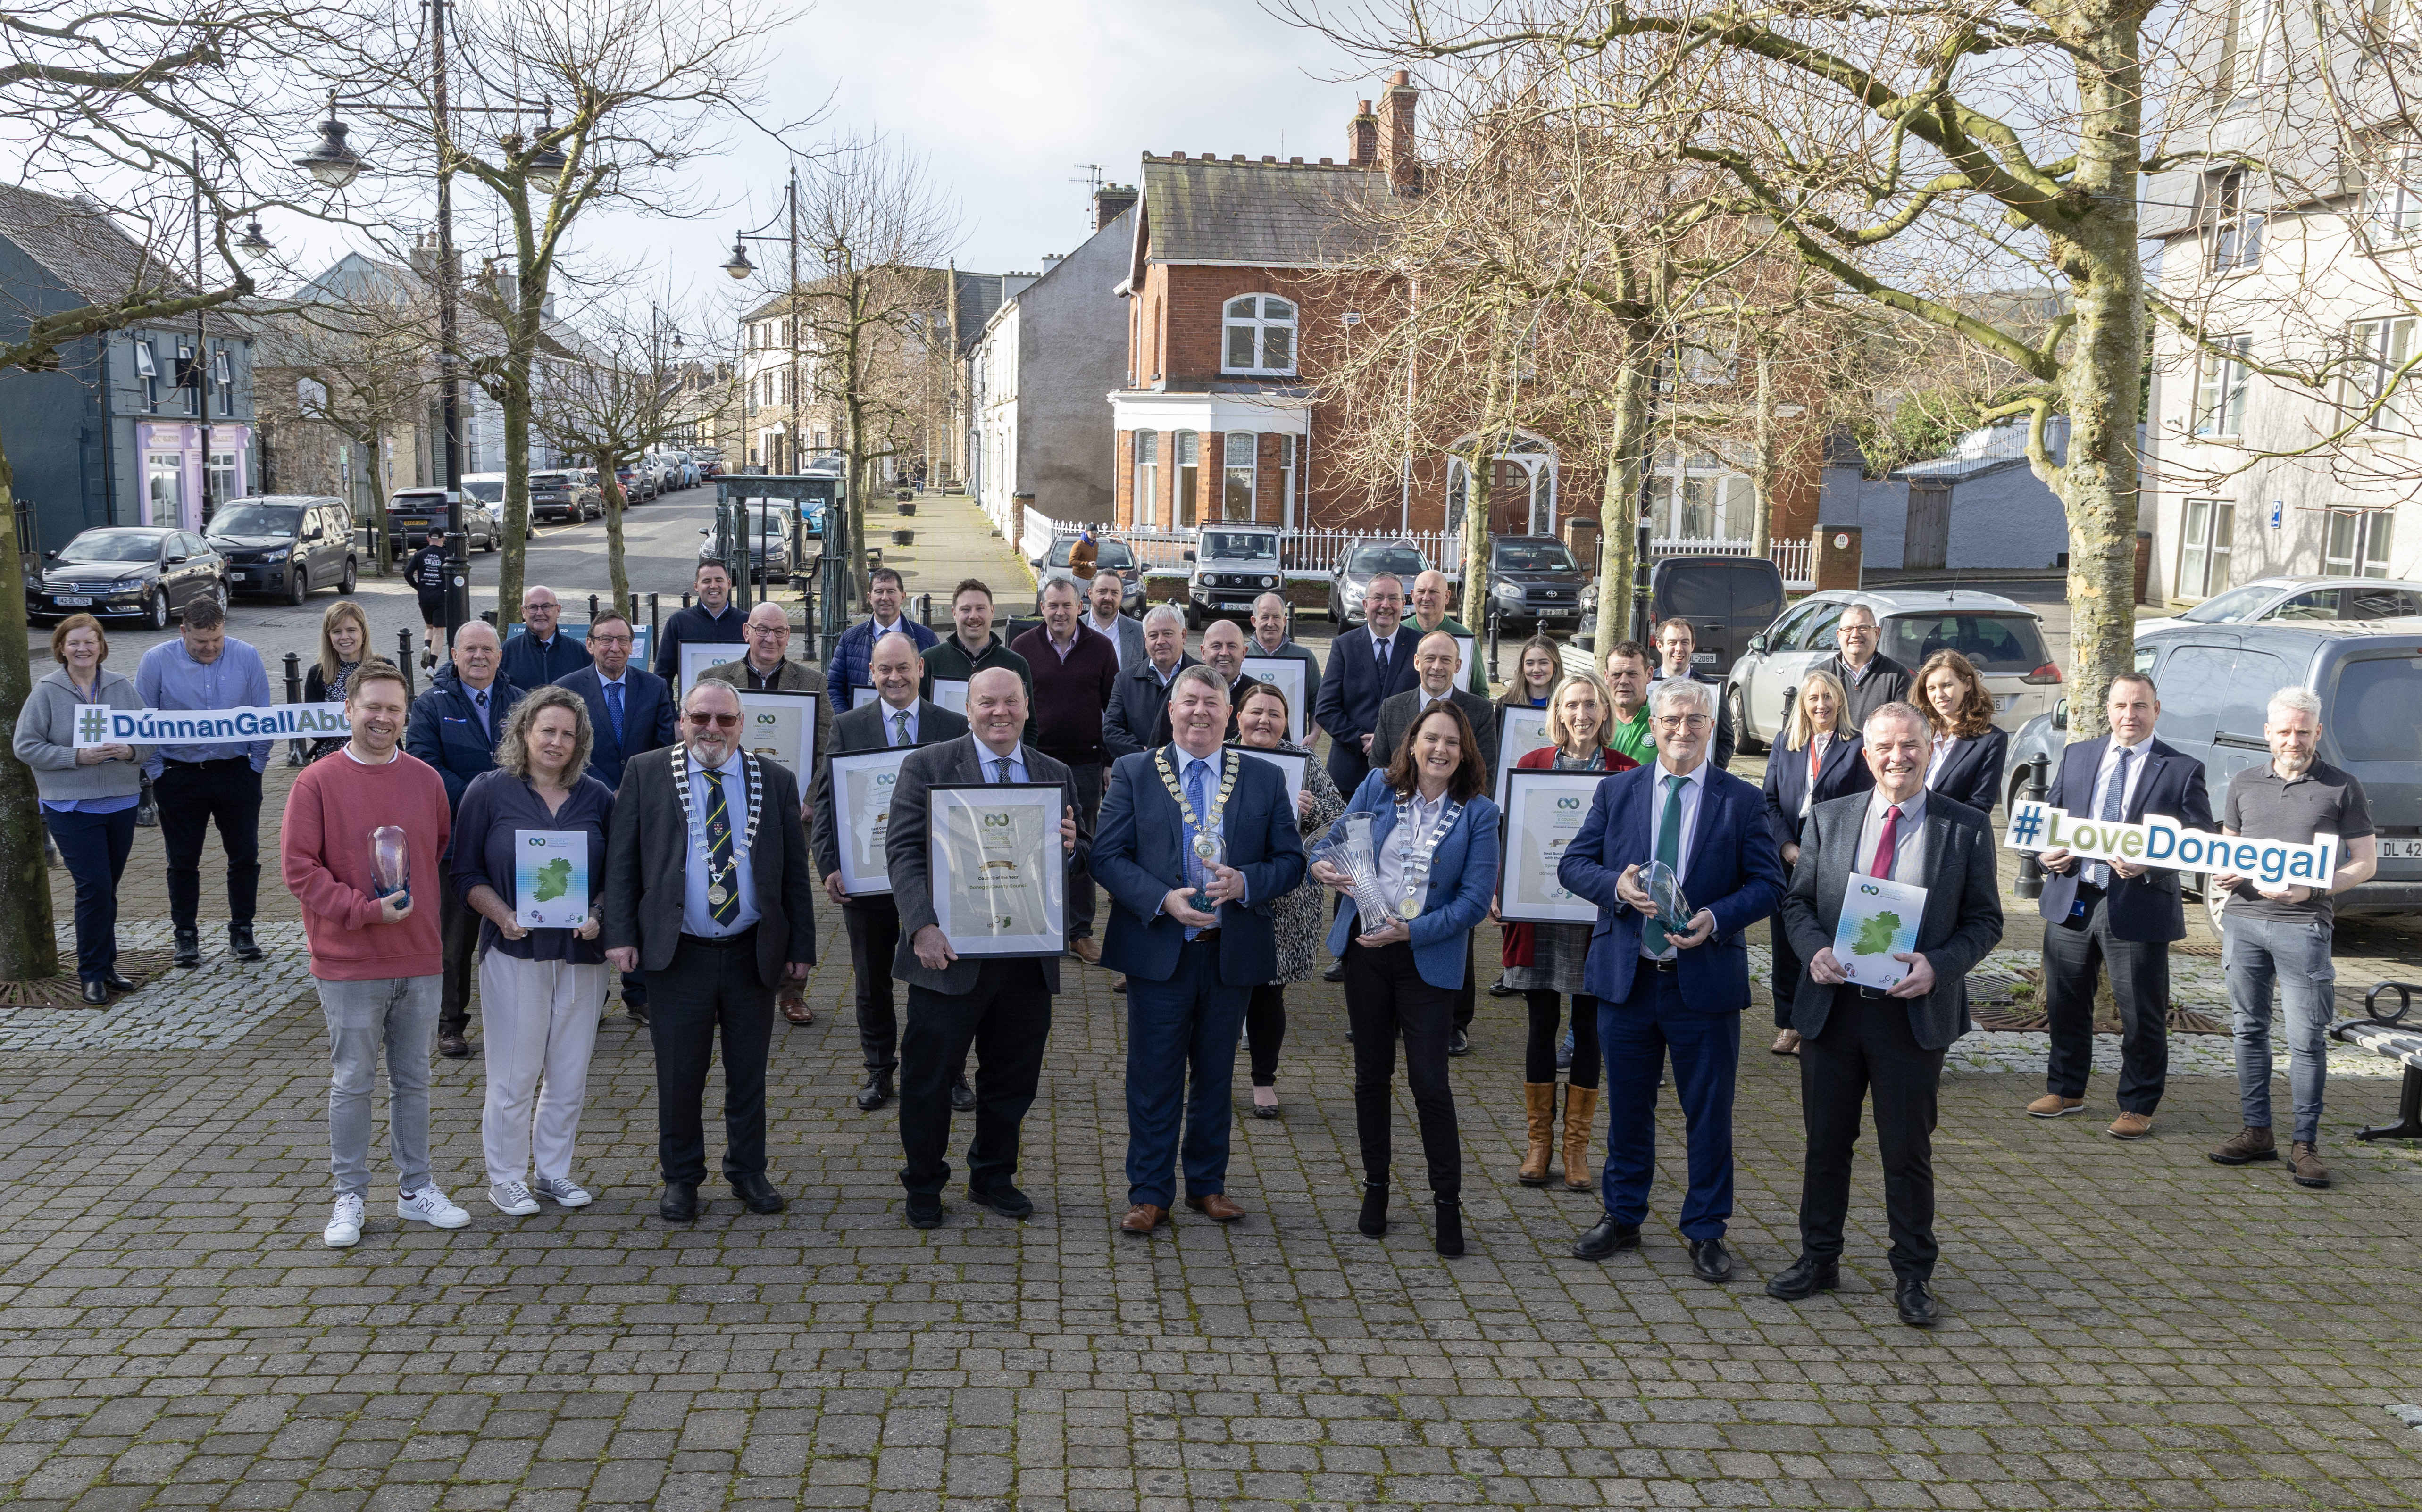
2167	843
99	724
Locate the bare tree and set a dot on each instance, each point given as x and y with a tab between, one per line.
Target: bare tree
623	399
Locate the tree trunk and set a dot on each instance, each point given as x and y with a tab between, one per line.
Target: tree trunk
376	473
1762	480
28	950
515	403
1619	506
610	476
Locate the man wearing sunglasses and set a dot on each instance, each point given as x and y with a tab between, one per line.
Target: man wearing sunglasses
710	890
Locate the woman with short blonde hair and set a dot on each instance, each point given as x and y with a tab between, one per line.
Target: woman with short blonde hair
1819	758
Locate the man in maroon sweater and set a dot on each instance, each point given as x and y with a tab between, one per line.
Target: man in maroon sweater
1076	670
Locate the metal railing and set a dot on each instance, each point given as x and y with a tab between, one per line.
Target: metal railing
1302	554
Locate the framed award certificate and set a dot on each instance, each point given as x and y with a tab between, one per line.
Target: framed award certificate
781	726
1290	767
1463	651
952	693
861	789
697	658
999	876
550	878
1543	812
1285	674
1521	731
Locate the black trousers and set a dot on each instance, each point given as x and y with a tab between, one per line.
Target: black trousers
458	934
1783	981
94	847
1266	1030
193	797
1008	1020
1466	999
1868	1051
2140	984
1088	781
873	940
710	990
1385	999
1539	1051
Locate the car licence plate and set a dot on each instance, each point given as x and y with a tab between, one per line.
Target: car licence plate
2001	704
76	599
2401	849
237	574
1708	656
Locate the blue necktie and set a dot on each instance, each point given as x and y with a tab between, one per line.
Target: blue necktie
614	708
1198	792
480	702
2112	801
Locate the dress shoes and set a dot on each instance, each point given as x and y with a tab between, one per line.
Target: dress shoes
1500	988
1087	949
1804	1278
1604	1238
679	1204
1458	1044
96	991
635	1012
759	1194
239	942
1003	1199
117	981
796	1011
963	1096
451	1044
189	948
1216	1205
876	1093
925	1211
1142	1218
1336	972
1916	1303
1710	1261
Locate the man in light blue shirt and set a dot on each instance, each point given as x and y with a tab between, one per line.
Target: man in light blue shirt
202	784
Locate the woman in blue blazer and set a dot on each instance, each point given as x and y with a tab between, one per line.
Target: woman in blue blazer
1403	971
1818	757
1969	752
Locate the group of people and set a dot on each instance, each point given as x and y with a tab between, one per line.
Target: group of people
703	859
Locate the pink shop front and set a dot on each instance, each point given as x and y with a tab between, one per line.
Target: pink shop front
171	486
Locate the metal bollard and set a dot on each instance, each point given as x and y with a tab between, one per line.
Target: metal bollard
592	606
2031	871
653	628
684	600
294	695
404	659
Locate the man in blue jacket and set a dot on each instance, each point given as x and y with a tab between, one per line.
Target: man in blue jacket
542	653
850	672
454	726
1680	990
1189	969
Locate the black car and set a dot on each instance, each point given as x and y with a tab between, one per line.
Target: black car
563	494
286	544
1534	581
415	515
146	572
1727	599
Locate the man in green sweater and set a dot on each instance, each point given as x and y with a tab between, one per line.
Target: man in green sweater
970	648
1430	616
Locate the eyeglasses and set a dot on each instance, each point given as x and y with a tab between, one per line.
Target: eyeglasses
1679	722
724	721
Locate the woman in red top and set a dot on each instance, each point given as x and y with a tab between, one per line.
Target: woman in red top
1542	960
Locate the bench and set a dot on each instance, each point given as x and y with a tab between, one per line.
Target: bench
2398	1038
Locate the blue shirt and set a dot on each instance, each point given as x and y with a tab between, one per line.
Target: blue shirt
891	725
169	677
992	764
698	916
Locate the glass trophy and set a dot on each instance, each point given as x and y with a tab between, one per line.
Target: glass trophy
1665	891
1349	848
390	863
1210	853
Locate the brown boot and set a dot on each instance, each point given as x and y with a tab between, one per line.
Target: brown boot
2304	1164
1539	1105
2247	1145
1581	1116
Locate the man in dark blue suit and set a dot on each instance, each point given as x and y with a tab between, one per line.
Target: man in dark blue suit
1659	991
1190	969
1367	666
2114	913
630	712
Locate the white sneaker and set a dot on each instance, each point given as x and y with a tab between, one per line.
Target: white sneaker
566	1193
344	1228
430	1206
512	1199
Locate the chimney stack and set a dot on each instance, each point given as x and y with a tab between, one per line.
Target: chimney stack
1111	201
1362	138
1398	149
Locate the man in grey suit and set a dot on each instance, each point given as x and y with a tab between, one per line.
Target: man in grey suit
1001	1007
1855	1040
1435	657
896	718
1102	597
707	887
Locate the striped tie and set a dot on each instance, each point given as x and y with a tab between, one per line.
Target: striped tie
719	853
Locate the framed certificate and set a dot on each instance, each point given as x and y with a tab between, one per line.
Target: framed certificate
861	790
781	726
1463	651
999	876
550	878
1290	767
1285	674
1520	732
1543	812
952	693
697	658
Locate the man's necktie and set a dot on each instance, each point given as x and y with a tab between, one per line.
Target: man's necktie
2112	801
900	727
718	854
1669	851
480	702
1000	768
1198	793
1885	843
1382	647
614	708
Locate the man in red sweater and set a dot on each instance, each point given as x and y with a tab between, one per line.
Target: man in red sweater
376	955
1075	671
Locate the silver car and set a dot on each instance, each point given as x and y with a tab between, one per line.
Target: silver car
2299	598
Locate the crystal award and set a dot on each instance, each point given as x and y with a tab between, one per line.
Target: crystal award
1349	848
390	862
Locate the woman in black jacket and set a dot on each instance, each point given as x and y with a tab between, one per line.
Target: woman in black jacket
1818	757
1969	752
344	640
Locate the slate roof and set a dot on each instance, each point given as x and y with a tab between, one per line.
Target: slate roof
1291	214
80	245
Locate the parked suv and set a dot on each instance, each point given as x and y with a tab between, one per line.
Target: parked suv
2003	638
1534	580
1726	599
1362	562
1110	556
1233	565
414	516
563	494
286	543
2216	682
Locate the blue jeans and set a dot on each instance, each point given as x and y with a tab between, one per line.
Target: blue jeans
94	847
2295	955
1635	1035
1186	1025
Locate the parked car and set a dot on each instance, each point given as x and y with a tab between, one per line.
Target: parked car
1535	582
488	489
144	572
2299	598
769	541
286	544
638	482
1726	599
1362	562
564	493
2216	682
1111	556
2003	638
1233	565
709	459
415	515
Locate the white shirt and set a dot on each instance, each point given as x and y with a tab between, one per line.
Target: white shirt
1942	747
1694	785
2139	756
891	725
1392	863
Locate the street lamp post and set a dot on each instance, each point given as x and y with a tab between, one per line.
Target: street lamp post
739	266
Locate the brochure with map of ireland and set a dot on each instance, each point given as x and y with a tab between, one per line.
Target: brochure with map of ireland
1879	921
551	878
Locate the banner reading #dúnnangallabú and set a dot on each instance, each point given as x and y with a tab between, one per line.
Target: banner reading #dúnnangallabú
99	724
2167	843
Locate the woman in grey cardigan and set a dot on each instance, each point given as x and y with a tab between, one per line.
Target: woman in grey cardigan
88	795
1295	917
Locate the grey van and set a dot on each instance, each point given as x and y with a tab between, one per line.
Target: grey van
2215	681
286	544
1727	599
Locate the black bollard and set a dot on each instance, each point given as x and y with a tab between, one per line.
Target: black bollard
592	606
294	695
2031	871
404	659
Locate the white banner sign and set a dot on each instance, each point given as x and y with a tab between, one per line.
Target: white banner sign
99	724
2167	844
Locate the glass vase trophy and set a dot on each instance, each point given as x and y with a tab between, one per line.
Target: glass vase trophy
1349	848
390	863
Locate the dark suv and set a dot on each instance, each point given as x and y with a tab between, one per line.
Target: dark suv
1534	580
1727	599
286	544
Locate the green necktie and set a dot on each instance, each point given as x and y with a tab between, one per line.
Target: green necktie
1669	851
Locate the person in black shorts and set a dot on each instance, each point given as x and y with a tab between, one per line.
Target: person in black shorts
425	569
